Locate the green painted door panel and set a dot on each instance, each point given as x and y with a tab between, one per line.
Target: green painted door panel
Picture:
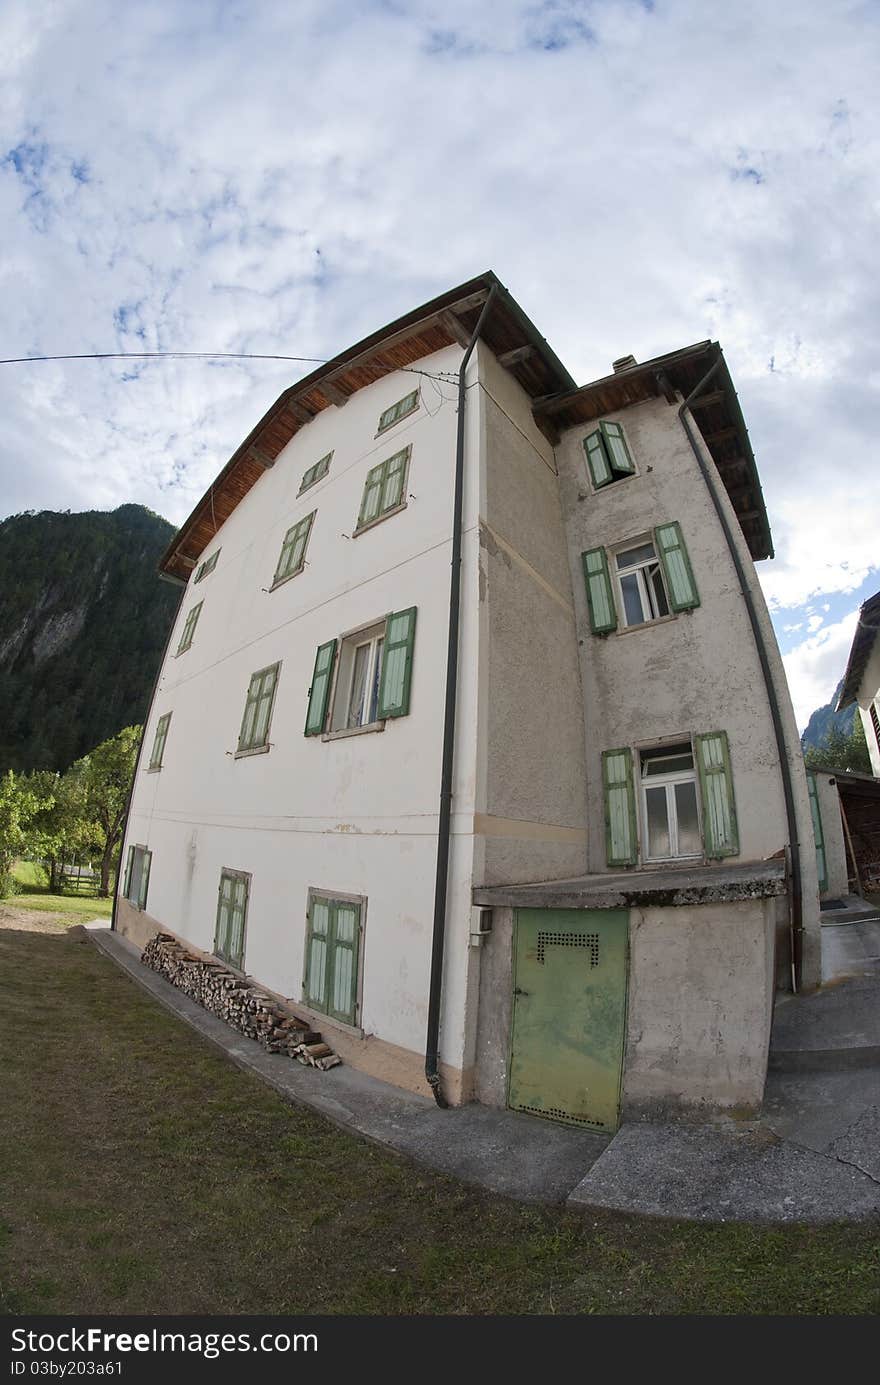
569	1014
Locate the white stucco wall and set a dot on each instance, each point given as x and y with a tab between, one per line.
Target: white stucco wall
356	815
695	672
869	692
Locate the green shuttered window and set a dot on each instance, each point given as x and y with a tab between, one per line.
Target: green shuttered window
607	453
189	628
397	657
232	905
292	557
319	692
620	807
159	742
313	474
396	412
258	709
332	946
137	876
384	489
600	599
680	582
818	834
207	566
720	834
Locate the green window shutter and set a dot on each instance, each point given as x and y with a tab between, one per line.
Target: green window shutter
186	638
159	742
673	555
128	865
818	834
397	656
258	708
293	549
616	448
319	692
145	879
342	978
317	943
597	461
315	473
720	834
600	598
620	807
392	484
372	497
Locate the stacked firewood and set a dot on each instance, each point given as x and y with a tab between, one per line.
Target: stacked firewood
240	1004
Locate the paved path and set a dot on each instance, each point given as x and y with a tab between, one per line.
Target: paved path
813	1155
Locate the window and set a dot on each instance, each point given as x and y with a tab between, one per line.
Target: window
875	722
159	742
137	876
292	558
373	668
189	628
677	819
333	936
608	457
232	905
254	733
401	409
208	565
384	491
669	804
315	473
640	579
818	834
653	579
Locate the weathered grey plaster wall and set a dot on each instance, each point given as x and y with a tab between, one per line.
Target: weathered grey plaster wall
832	831
694	672
532	814
700	1007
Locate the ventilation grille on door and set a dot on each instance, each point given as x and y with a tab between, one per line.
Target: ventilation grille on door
556	1113
590	940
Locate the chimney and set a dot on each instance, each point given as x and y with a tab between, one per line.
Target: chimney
623	363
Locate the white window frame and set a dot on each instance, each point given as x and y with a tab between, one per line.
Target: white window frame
343	684
668	781
639	570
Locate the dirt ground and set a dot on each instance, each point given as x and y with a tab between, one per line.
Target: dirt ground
34	920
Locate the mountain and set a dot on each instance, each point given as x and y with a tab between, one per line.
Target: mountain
825	719
83	622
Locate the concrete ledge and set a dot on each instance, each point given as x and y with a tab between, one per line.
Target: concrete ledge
644	889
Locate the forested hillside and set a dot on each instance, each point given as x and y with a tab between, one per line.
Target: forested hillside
825	720
83	621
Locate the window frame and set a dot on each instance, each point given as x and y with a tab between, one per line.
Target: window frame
306	524
334	665
258	747
207	567
189	627
372	641
236	876
606	439
315	473
397	411
668	781
363	525
645	592
143	877
350	1019
159	741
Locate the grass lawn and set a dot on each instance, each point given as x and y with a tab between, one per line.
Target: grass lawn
143	1173
33	893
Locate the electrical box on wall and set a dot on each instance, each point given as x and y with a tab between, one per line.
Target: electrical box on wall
481	925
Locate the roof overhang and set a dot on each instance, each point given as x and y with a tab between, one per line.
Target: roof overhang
716	411
445	321
860	653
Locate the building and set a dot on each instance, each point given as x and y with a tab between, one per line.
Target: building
546	838
861	682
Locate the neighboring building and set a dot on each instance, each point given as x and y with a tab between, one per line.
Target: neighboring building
861	682
828	832
627	778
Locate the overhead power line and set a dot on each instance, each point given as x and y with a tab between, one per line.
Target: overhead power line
203	356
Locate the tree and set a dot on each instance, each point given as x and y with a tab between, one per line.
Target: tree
846	752
101	780
60	828
19	802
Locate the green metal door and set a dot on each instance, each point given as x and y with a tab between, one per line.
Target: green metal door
569	1014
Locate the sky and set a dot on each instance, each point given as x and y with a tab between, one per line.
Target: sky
289	175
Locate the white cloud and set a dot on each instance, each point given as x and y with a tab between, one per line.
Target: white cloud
816	665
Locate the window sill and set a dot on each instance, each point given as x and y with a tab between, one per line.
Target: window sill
255	750
288	577
152	769
647	624
353	731
386	514
185	650
323	1021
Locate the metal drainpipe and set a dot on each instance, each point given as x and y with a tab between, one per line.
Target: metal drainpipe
432	1041
796	926
137	763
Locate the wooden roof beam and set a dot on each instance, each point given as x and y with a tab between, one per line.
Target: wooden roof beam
710	397
722	435
332	391
256	454
508	359
298	412
456	328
